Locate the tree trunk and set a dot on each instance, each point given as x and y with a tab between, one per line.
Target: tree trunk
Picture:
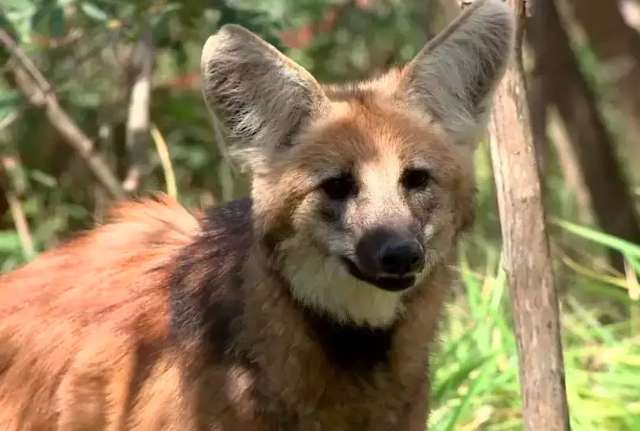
618	46
526	254
608	32
564	86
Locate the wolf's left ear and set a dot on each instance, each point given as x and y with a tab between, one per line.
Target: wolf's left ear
455	75
259	95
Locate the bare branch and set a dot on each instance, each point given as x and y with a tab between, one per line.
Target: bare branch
138	114
21	225
40	94
25	61
163	152
570	165
12	201
9	119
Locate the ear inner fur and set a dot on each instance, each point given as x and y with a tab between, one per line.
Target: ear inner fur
454	76
261	96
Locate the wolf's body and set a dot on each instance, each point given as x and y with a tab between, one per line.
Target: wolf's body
245	359
311	306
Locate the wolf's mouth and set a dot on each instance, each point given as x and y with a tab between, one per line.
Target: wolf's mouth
393	284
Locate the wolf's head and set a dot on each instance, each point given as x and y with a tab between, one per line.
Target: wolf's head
359	191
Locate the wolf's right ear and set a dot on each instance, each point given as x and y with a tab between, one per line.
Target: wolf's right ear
261	96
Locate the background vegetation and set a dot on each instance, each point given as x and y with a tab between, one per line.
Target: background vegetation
98	55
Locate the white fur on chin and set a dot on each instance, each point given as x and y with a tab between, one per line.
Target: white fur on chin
324	284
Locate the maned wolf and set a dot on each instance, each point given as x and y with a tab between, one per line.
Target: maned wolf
311	305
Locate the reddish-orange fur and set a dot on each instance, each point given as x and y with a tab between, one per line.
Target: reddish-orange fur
80	322
85	330
85	343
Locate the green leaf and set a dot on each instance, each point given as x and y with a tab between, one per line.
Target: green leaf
94	12
18	15
170	8
86	99
9	101
474	387
623	246
460	376
43	178
9	241
49	21
57	25
21	7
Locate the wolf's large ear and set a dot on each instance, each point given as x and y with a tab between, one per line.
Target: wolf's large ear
258	94
455	74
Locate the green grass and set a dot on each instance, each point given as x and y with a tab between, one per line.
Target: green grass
475	371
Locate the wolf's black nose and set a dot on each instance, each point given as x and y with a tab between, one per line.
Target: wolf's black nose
401	256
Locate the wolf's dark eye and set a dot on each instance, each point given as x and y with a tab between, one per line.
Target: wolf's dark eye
339	188
415	179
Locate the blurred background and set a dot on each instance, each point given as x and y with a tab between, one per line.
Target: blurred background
100	99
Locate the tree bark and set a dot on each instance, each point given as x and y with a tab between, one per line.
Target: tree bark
564	86
526	252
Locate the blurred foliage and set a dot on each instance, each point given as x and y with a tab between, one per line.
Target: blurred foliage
87	50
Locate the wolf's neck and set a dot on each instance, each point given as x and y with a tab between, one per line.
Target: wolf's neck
302	361
357	349
286	330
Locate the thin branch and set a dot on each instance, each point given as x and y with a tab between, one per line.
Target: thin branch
21	225
568	160
40	93
165	161
17	213
9	119
25	62
138	114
